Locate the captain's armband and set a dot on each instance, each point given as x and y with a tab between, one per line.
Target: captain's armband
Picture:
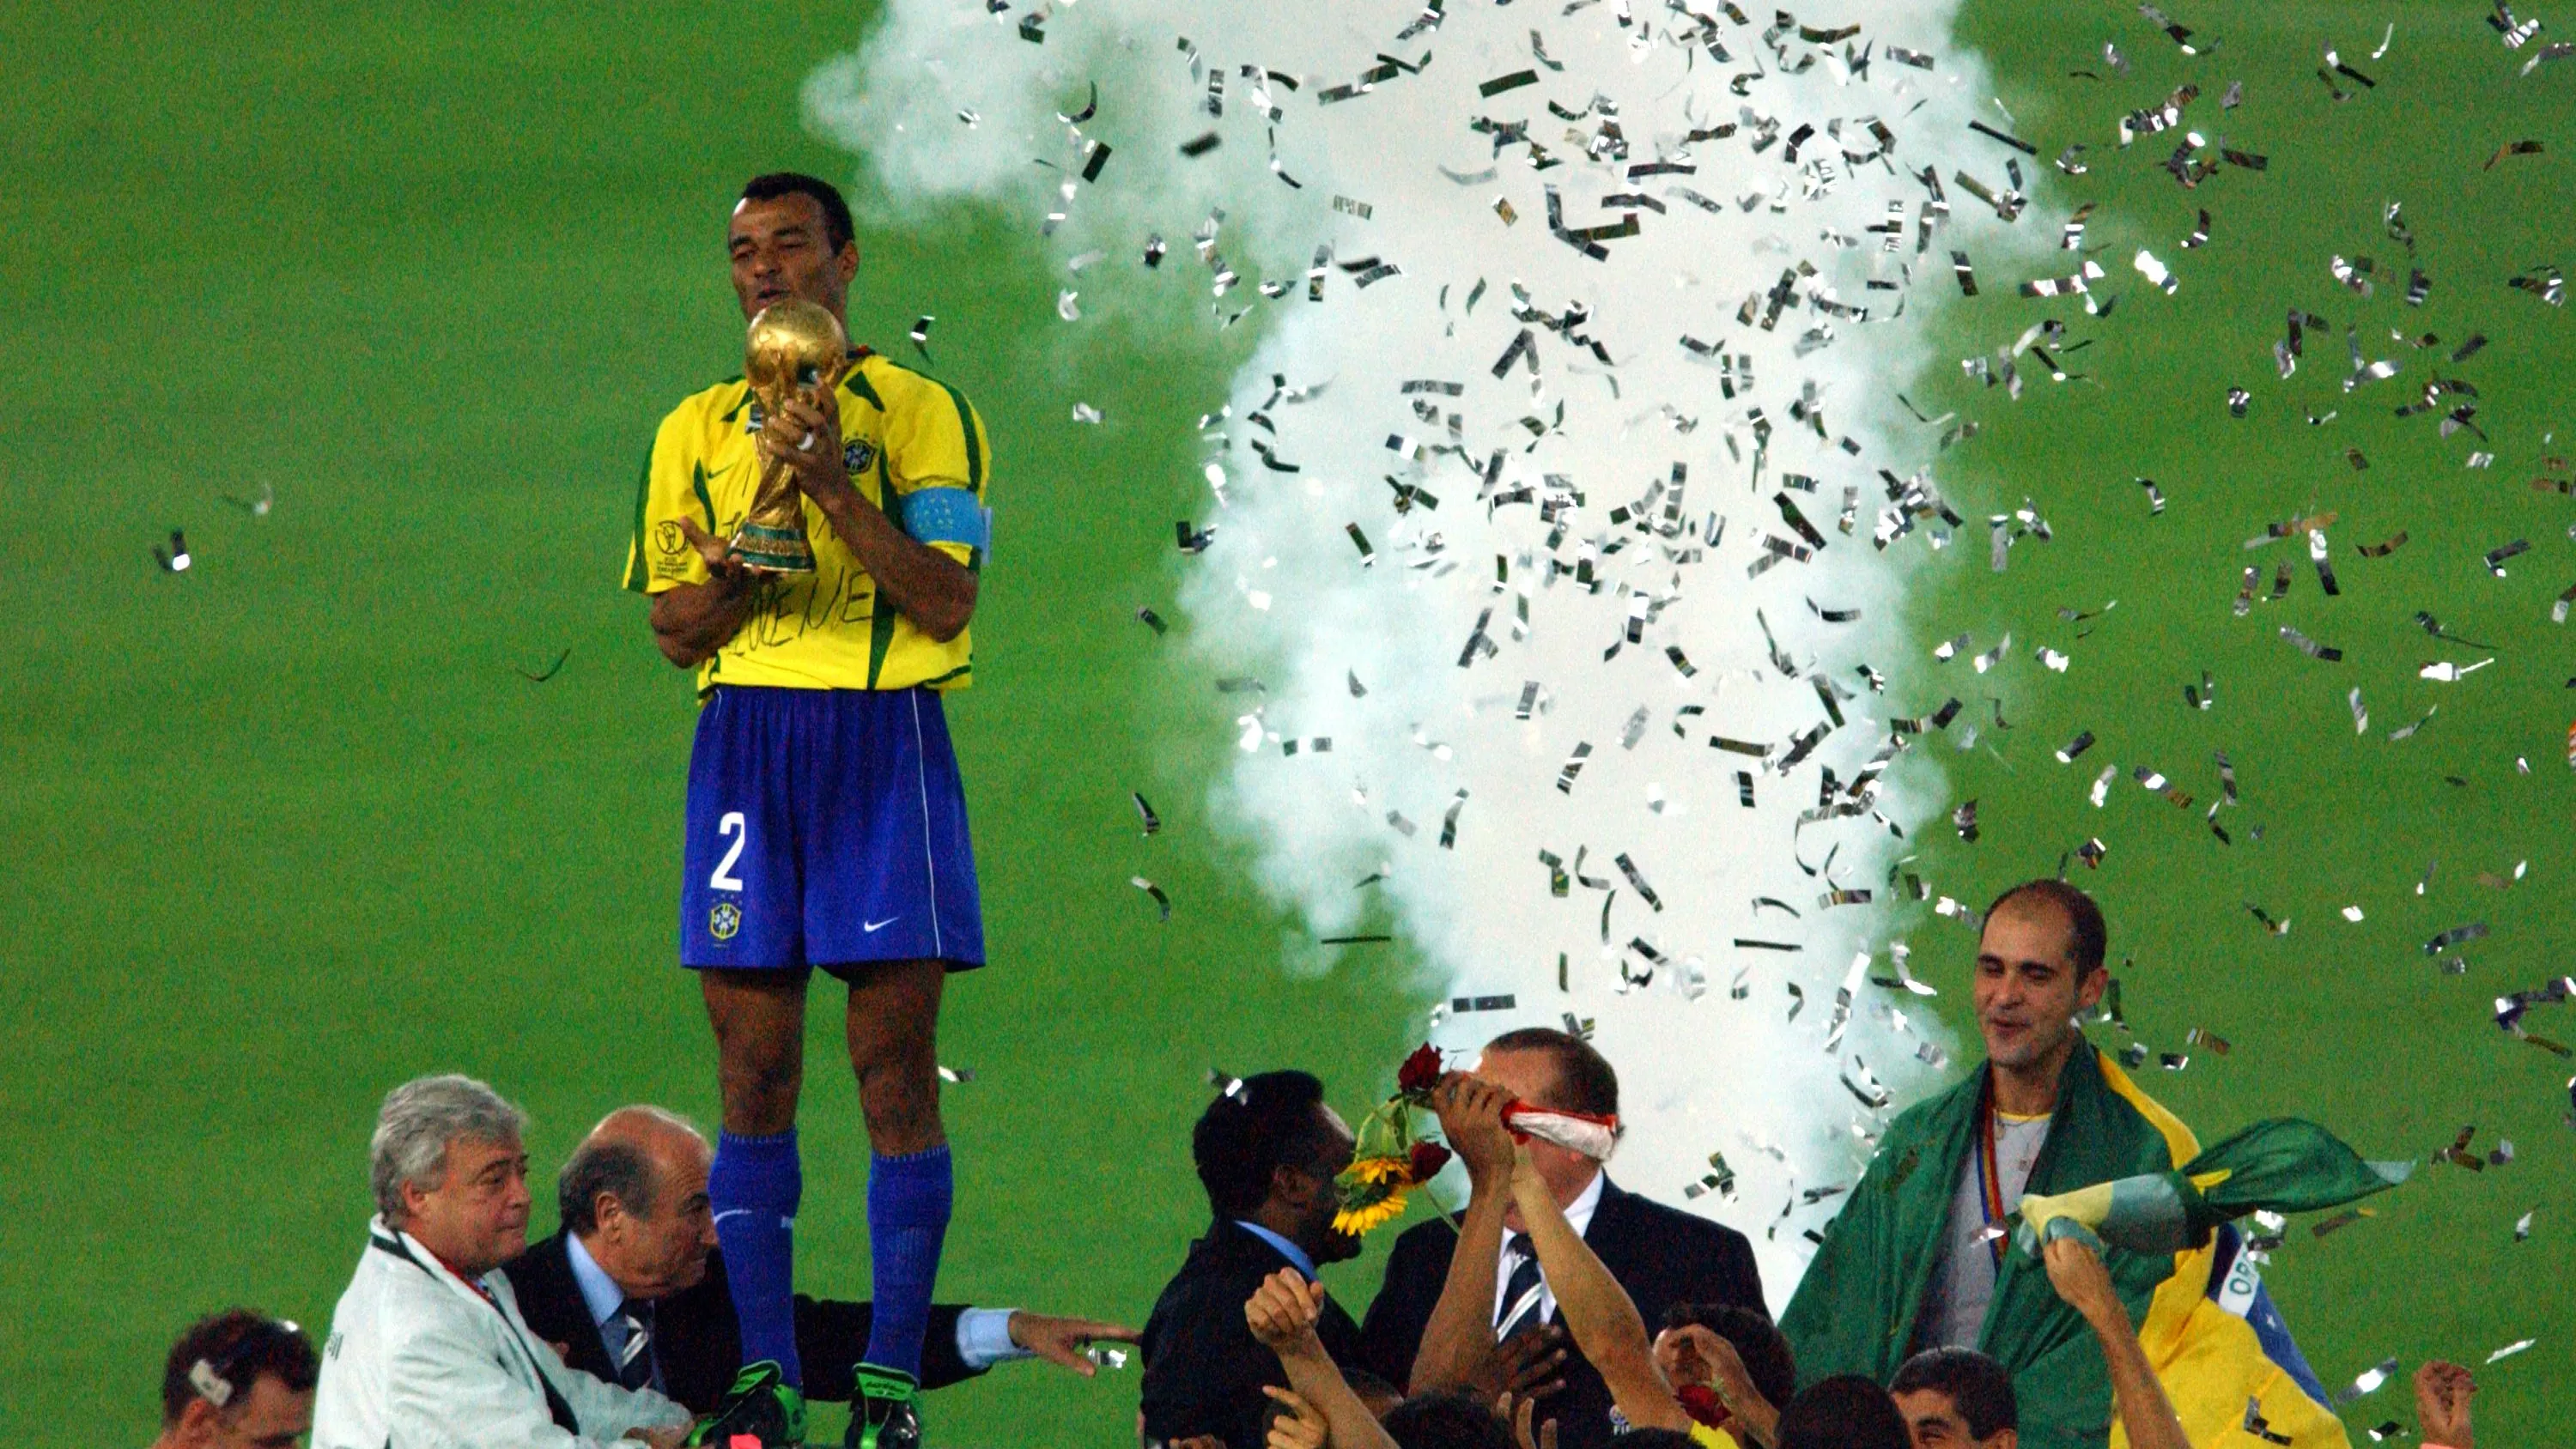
945	515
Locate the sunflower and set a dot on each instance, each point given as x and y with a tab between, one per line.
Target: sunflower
1372	1193
1389	1161
1371	1171
1359	1220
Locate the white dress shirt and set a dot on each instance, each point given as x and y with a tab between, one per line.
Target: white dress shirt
1578	1215
604	1300
984	1338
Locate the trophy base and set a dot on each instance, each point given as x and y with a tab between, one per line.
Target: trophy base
769	550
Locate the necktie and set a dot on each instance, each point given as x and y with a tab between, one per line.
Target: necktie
1521	1292
635	1355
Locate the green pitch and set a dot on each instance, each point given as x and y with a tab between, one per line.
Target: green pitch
294	826
2355	1025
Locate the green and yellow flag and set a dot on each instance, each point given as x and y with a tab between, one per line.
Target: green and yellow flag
1855	1310
2283	1165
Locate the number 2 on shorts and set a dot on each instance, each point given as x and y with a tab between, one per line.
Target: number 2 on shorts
732	824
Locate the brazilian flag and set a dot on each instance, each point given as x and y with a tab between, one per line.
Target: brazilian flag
2115	1163
2283	1165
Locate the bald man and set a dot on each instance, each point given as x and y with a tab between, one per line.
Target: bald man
632	1287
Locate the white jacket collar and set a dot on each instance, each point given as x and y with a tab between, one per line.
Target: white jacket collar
383	1237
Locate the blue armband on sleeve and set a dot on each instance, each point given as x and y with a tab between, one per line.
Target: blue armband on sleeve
945	515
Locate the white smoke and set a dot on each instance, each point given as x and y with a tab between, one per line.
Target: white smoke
1548	553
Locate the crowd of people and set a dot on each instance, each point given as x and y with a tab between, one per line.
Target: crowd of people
811	537
1563	1312
1558	1310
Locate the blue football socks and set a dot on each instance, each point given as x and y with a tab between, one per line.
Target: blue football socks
754	1187
908	1205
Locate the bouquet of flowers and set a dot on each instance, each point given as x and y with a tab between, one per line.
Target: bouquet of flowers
1393	1158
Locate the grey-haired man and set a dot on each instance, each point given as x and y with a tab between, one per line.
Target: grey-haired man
427	1346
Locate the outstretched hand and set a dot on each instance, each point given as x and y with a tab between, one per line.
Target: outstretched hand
1061	1341
716	553
1282	1313
1519	1413
1300	1425
1531	1364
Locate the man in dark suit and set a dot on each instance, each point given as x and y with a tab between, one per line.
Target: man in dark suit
1267	1151
633	1288
1661	1256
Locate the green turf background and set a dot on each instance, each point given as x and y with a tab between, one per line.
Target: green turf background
2353	1025
290	828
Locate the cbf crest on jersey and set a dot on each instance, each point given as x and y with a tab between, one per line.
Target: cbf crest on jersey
857	455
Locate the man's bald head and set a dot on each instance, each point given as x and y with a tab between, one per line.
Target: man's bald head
635	1193
647	1127
630	1157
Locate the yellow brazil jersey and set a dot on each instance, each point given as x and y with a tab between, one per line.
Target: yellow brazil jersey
915	448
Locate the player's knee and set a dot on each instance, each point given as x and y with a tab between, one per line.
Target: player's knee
770	1056
760	1077
902	1107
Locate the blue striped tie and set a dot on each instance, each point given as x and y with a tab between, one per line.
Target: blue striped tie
635	1355
1522	1292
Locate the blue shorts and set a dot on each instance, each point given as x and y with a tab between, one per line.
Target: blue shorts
827	827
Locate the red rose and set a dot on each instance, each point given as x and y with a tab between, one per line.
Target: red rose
1427	1160
1702	1404
1420	1072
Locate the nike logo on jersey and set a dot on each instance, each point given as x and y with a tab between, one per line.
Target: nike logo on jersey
872	927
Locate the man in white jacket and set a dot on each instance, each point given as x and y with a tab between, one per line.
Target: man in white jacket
427	1347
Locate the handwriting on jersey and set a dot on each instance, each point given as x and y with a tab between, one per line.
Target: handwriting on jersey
837	592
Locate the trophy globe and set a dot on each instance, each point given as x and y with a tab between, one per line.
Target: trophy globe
794	350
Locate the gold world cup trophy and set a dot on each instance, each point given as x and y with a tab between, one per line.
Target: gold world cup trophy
795	350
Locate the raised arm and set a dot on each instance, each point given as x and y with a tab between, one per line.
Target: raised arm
1597	1311
1458	1342
1282	1314
2076	1272
1695	1354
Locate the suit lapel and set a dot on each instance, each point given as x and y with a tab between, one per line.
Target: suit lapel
1613	1232
699	1338
1609	1215
550	1299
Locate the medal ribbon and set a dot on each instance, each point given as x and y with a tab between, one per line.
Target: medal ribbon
1990	1188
